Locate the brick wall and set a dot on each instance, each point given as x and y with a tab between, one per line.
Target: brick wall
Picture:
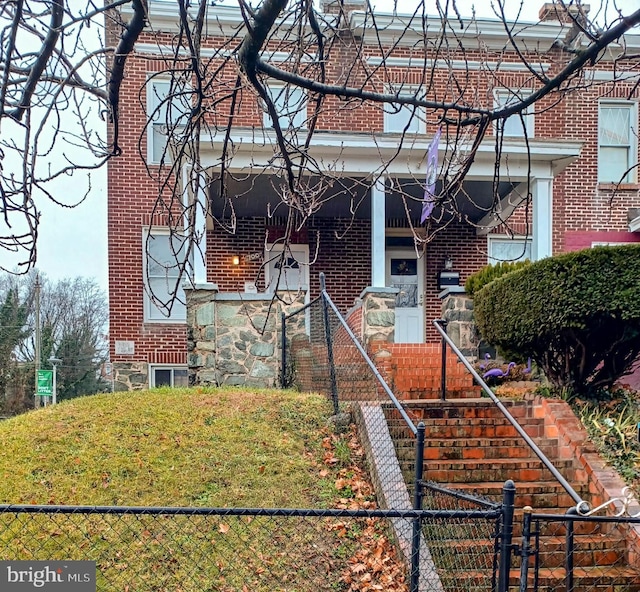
583	210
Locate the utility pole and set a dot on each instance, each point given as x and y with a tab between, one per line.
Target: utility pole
37	401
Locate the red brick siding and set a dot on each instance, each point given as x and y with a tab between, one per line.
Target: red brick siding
583	211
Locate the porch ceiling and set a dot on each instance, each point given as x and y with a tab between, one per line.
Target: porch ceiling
262	195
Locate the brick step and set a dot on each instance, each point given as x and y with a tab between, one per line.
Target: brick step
586	579
469	408
420	393
542	496
482	470
431	382
470	428
478	407
479	448
474	448
589	550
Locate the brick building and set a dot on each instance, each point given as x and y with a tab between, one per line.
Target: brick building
557	189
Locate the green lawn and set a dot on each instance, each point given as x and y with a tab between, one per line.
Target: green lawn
176	447
223	448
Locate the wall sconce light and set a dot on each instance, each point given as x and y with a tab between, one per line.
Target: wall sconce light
448	263
447	277
235	259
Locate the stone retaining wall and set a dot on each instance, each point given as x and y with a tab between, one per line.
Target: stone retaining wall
457	310
379	315
235	339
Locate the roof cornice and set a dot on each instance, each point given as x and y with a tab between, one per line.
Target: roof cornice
405	30
490	33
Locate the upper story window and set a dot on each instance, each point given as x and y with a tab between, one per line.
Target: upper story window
290	103
166	105
164	253
617	141
516	125
404	118
506	248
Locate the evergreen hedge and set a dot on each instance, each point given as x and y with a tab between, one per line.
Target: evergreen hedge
480	279
577	315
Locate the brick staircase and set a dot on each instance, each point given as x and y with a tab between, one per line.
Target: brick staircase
471	447
413	371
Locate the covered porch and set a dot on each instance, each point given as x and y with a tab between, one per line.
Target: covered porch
379	197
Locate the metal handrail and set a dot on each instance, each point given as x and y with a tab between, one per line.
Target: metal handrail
371	365
580	503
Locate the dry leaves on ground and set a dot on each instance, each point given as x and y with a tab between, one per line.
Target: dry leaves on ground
375	565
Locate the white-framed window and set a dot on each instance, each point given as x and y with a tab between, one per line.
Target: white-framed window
166	106
290	103
506	248
163	253
514	126
287	266
617	141
174	376
401	118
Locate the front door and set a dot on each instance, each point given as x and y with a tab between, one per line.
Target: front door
406	272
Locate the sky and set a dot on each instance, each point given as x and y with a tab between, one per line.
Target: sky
73	242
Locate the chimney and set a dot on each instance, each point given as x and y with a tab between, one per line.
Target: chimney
337	6
551	11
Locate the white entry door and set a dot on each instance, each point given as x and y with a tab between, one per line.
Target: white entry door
406	272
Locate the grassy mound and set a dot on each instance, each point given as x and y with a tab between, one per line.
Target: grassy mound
175	447
218	448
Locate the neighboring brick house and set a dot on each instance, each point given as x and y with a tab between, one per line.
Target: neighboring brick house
577	148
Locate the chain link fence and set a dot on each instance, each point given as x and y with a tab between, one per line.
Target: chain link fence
222	550
465	550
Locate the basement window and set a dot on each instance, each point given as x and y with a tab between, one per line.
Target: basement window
174	376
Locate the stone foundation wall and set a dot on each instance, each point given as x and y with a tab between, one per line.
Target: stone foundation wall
235	339
130	376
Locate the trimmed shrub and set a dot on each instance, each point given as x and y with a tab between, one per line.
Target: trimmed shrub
577	315
487	274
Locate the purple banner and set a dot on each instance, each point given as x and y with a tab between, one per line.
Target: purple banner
432	176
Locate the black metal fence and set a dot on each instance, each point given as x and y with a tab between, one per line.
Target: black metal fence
206	549
572	553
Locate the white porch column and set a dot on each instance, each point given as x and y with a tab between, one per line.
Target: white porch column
200	253
201	205
378	222
541	245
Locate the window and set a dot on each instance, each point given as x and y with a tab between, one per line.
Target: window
398	118
617	142
165	114
290	270
290	103
164	252
176	376
514	126
504	248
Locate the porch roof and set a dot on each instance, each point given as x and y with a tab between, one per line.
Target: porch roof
356	161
